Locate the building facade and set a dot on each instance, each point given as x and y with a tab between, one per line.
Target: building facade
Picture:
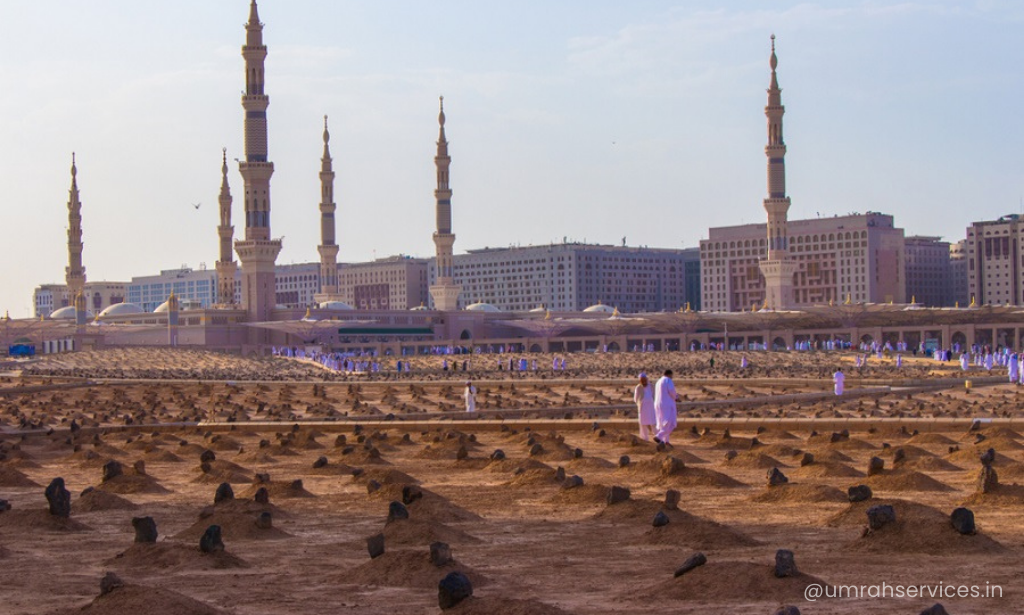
929	274
860	257
995	266
297	285
958	272
148	292
98	296
393	283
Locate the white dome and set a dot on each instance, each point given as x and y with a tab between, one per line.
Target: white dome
335	305
419	308
481	307
163	307
121	309
539	308
600	308
67	313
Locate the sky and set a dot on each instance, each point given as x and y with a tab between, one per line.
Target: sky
586	120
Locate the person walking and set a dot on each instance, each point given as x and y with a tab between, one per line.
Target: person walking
643	395
470	396
665	407
839	379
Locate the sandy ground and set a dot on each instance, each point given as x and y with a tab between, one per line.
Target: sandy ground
528	544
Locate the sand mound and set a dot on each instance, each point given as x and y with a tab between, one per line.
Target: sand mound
930	438
169	556
1001	432
223	471
695	532
148	600
586	494
928	464
779	450
39	519
237	521
898	480
533	477
161	456
1001	443
724	581
489	605
11	477
797	492
421	533
855	515
278	490
825	454
511	465
970	457
132	483
697	477
222	443
751	459
1003	496
589	463
630	511
407	568
98	500
826	469
921	529
386	476
258	456
430	506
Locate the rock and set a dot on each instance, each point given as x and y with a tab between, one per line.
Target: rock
341	440
577	453
372	486
461	454
559	474
880	516
224	492
205	467
975	426
963	520
453	589
145	529
875	466
776	478
694	561
411	493
787	610
262	496
572	482
4	506
672	465
898	455
624	461
297	485
58	498
211	541
859	493
536	449
672	499
207	456
262	478
785	564
617	494
988	457
109	583
397	512
806	460
375	545
660	519
112	469
988	479
497	455
730	455
265	520
935	609
440	553
320	462
139	467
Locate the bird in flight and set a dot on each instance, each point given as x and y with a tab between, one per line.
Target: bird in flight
196	205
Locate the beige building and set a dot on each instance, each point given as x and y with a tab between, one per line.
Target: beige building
958	272
98	296
393	283
995	265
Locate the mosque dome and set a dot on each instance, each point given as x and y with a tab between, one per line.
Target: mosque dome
539	308
600	308
67	313
481	307
121	309
335	305
419	308
161	308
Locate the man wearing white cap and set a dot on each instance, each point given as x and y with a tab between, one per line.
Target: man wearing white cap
643	395
665	407
470	395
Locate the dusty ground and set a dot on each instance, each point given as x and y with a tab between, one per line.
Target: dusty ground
529	545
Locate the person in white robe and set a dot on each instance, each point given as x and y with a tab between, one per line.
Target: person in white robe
643	396
470	395
665	407
1013	367
965	362
839	379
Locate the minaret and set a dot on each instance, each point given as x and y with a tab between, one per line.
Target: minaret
258	252
226	265
778	269
74	274
445	293
328	248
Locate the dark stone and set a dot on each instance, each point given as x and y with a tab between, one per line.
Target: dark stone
880	516
207	456
859	493
139	467
453	589
375	545
988	479
617	494
211	542
112	469
4	506
296	485
624	461
660	519
787	610
461	454
341	440
963	520
411	493
58	498
572	482
672	499
875	466
694	561
577	453
205	467
988	457
372	486
730	455
397	511
975	426
109	583
357	472
898	455
320	462
264	443
497	455
536	449
776	478
785	564
224	492
672	465
262	478
806	460
559	474
262	496
265	520
348	450
145	529
440	553
935	609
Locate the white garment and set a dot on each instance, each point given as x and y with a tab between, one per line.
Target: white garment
839	378
470	396
643	396
665	407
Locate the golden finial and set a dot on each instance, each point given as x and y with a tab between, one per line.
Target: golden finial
547	314
913	299
973	302
764	305
849	299
615	312
687	306
307	316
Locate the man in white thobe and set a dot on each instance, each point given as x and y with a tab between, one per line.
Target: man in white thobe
839	379
665	407
643	396
1013	367
470	396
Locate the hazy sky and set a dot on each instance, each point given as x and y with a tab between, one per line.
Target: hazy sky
592	119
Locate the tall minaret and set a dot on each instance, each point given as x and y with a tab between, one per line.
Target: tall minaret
328	248
778	269
74	274
226	265
258	252
444	292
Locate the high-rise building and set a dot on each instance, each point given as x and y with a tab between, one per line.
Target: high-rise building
444	291
958	273
995	265
296	285
97	296
193	287
392	283
929	277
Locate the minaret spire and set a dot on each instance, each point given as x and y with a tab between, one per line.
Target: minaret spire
74	274
226	265
778	270
328	249
445	293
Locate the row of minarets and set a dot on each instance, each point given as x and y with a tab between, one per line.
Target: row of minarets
74	274
444	292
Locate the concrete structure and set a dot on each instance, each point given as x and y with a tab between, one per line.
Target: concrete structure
929	275
859	257
227	268
296	285
444	292
574	276
778	269
958	273
199	286
995	271
328	249
258	252
393	283
98	296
